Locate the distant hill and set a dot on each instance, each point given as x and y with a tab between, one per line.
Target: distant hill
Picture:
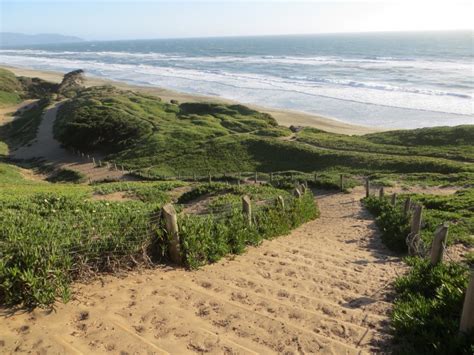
10	39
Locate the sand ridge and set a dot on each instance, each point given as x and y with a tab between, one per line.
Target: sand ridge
324	288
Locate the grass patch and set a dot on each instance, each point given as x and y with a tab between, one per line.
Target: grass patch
439	142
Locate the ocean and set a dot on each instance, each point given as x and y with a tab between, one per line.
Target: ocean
386	80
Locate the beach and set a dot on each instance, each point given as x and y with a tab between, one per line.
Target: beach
283	117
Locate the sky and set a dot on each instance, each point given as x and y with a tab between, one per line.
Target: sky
111	19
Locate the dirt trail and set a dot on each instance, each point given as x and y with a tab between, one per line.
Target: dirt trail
48	148
321	289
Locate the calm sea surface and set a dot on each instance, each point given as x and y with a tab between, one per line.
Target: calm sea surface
393	80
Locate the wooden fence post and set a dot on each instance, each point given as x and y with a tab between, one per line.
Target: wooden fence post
302	188
381	193
467	316
414	236
297	192
210	177
93	161
281	201
100	163
123	170
394	199
341	182
367	187
256	177
406	208
438	244
247	208
416	221
171	224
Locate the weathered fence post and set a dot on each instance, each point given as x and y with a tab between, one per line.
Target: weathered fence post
341	182
297	192
171	224
381	193
367	187
438	244
406	208
100	163
302	188
210	177
281	201
247	208
416	221
467	316
414	236
256	177
394	199
123	170
93	161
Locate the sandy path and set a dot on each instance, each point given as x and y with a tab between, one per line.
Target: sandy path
49	149
321	289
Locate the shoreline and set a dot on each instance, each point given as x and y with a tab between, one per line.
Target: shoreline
282	116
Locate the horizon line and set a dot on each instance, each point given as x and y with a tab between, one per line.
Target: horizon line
247	35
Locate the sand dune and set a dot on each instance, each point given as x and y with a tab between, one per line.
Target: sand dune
284	117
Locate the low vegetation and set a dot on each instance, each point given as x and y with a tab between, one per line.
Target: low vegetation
160	138
427	311
10	88
52	233
14	89
207	238
455	209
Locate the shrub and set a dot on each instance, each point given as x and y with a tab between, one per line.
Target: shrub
393	223
427	311
207	239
